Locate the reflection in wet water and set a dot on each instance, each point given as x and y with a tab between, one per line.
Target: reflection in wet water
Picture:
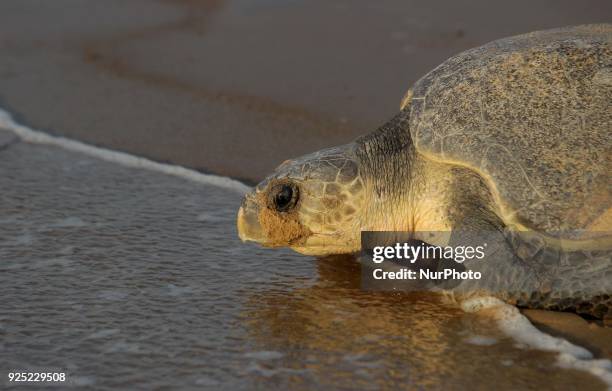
129	279
334	334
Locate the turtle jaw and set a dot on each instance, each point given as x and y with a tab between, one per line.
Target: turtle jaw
249	229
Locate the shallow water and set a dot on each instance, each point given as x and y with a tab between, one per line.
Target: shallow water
126	278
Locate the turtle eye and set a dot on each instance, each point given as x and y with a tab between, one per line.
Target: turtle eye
285	197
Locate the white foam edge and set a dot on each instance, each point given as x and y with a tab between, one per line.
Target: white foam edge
517	326
125	159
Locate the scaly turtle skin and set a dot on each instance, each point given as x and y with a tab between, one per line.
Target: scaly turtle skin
513	138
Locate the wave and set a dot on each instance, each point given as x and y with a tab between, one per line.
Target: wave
125	159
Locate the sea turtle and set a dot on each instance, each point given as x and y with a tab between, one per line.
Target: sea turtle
513	137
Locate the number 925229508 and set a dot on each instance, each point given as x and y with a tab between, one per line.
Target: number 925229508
36	376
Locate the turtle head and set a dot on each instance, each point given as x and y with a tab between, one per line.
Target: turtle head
311	204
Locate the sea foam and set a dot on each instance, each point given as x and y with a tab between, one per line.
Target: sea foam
516	325
122	158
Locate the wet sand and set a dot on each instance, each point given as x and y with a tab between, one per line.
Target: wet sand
235	87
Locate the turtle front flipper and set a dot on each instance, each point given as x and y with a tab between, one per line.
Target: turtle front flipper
573	279
523	269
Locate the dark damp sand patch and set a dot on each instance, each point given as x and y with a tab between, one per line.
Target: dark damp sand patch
590	335
169	119
95	54
195	20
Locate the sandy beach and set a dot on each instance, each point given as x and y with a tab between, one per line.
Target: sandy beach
236	87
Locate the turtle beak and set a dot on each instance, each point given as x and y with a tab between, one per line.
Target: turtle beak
249	228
